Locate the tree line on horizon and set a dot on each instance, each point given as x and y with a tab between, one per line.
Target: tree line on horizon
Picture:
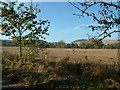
62	44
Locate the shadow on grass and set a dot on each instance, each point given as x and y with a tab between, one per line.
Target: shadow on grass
64	75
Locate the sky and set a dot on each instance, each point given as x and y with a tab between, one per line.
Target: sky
63	24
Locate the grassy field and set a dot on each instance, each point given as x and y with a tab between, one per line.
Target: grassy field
69	69
104	56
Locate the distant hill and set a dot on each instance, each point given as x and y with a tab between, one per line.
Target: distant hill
8	43
105	42
12	43
80	41
111	42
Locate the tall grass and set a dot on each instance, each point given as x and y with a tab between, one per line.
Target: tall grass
39	72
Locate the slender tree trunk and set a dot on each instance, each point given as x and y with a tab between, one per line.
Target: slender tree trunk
118	38
20	45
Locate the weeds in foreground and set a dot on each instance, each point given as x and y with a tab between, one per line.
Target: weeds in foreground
60	75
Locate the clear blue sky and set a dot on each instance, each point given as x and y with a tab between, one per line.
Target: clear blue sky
63	24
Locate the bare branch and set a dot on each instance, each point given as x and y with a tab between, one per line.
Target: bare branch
106	22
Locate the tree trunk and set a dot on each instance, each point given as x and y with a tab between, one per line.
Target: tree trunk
118	38
20	45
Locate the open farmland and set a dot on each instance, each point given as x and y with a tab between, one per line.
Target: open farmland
104	56
75	68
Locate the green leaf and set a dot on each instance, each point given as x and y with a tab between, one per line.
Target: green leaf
22	4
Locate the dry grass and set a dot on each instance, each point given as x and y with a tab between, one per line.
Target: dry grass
67	73
104	56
